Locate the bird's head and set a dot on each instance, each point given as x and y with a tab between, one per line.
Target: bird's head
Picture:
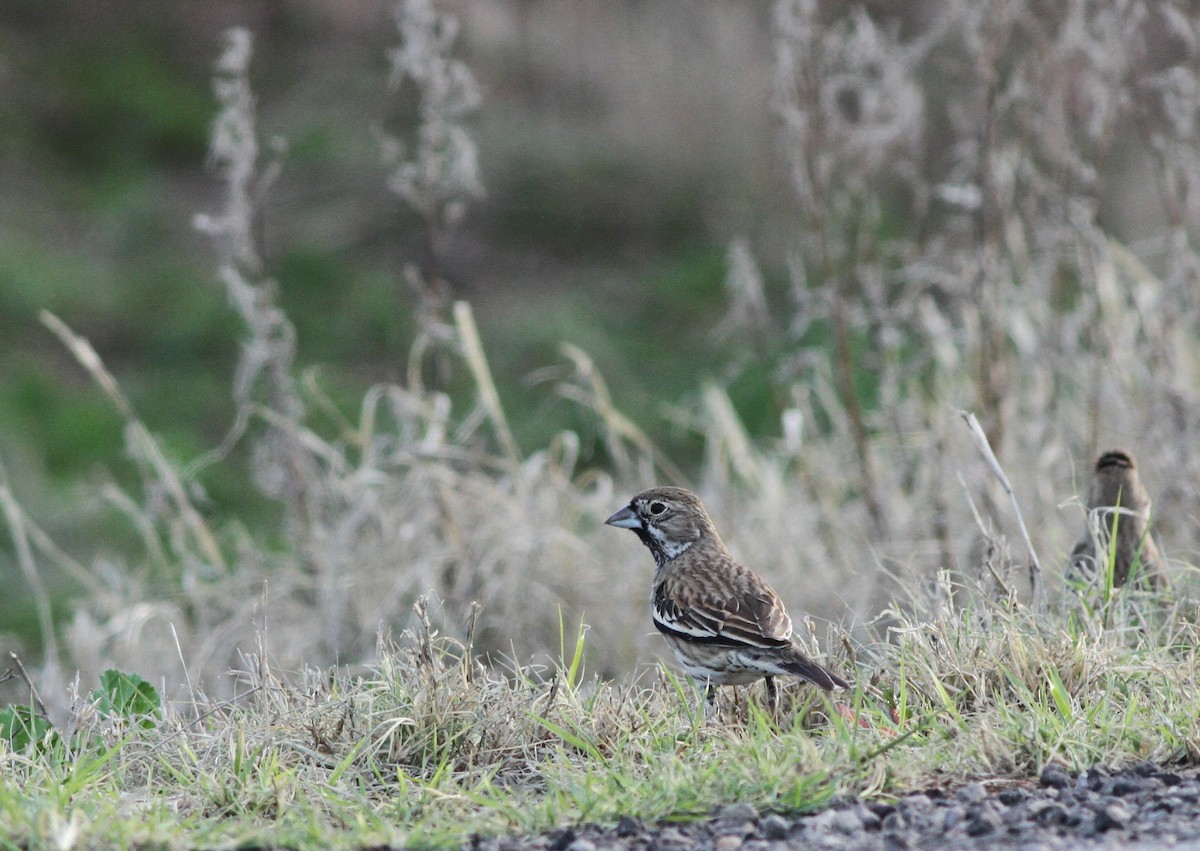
667	520
1116	481
1115	459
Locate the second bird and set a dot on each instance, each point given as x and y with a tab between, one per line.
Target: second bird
1117	495
724	623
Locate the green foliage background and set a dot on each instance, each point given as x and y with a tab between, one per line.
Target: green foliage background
105	121
623	147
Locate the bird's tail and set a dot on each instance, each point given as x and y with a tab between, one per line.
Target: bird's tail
802	666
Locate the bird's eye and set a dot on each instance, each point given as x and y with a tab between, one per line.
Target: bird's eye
657	508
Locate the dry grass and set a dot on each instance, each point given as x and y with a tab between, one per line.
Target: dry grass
427	744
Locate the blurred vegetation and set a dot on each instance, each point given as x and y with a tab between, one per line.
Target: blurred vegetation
902	264
105	119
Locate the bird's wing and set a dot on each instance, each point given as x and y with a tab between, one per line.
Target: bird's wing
738	609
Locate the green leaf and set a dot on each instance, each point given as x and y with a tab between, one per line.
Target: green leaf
127	696
1058	691
20	727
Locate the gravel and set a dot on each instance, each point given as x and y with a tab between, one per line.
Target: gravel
1143	807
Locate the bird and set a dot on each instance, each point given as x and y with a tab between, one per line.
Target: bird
723	622
1118	496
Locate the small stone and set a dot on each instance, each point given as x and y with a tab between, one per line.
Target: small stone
740	829
1123	786
918	802
1055	776
737	812
881	808
846	821
673	837
972	793
1154	822
1016	819
1037	805
582	845
1097	776
775	826
1188	790
1011	797
894	822
866	815
1115	815
896	842
982	820
952	818
628	826
728	842
763	845
820	823
560	840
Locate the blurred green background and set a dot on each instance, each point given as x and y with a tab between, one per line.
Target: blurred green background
622	147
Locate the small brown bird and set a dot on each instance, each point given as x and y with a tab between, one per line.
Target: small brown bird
723	622
1117	495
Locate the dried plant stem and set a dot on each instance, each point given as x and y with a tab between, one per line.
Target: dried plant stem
146	445
733	434
20	538
477	362
596	396
43	542
985	449
186	674
33	692
429	663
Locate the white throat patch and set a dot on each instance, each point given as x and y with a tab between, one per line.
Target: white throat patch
669	548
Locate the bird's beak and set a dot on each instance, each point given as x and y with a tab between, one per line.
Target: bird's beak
625	519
